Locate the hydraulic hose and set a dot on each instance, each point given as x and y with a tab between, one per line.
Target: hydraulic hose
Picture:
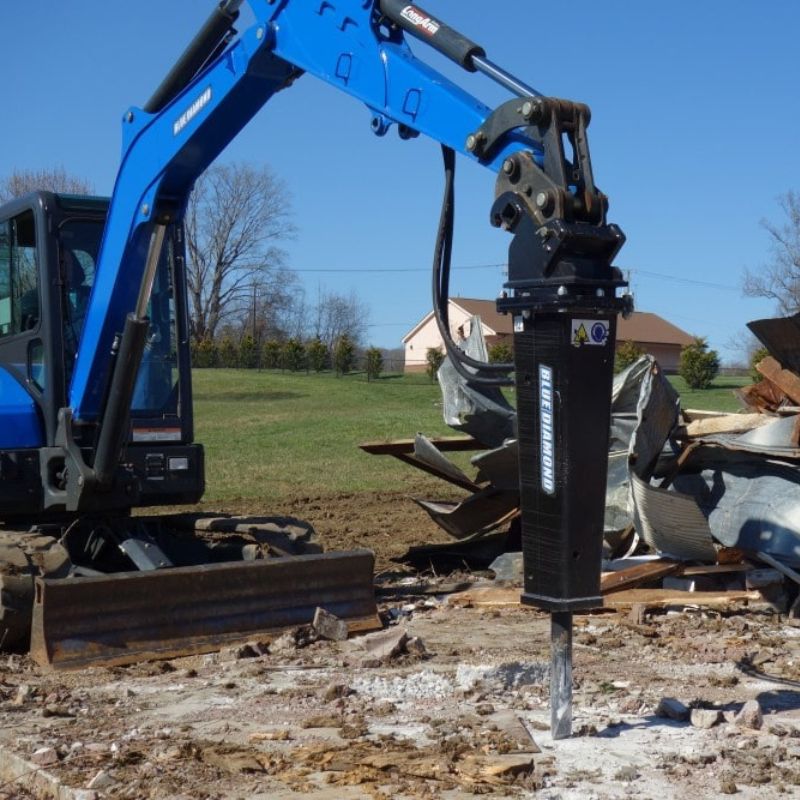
442	259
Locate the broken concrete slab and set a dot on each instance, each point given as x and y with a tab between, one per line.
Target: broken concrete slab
750	715
329	626
671	708
705	718
385	644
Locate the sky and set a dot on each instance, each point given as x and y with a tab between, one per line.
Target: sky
694	136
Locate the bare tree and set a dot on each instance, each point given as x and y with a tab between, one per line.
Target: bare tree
55	179
273	307
779	278
338	315
237	214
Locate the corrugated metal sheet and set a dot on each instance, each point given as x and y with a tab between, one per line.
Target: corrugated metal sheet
671	523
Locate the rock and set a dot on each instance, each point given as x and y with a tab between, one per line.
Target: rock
383	708
45	756
628	773
416	647
671	708
84	794
250	650
484	709
101	781
336	691
705	718
507	569
750	715
294	639
329	626
385	644
55	710
23	695
727	786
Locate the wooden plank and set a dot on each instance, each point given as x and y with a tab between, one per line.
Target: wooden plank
763	396
637	575
663	598
486	597
730	423
495	597
714	569
406	446
784	379
692	414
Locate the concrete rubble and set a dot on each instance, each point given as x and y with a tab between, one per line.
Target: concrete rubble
679	705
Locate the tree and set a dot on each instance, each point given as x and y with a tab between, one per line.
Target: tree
344	355
434	358
501	353
699	365
293	356
204	354
779	278
272	354
237	215
339	315
248	353
55	179
758	355
318	355
627	353
373	362
228	354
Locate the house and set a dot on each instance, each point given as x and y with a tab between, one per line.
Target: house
652	333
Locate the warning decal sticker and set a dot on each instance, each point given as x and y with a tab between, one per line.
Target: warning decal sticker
589	332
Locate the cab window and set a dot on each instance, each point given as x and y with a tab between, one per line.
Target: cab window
19	282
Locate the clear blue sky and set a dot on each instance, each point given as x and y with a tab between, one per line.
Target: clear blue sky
694	135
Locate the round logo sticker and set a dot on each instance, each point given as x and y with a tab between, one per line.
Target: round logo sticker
599	332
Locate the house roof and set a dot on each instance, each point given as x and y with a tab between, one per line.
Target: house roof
651	329
642	326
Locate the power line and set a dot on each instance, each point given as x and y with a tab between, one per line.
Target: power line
391	269
678	279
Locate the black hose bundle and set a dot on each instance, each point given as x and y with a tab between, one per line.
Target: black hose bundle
442	259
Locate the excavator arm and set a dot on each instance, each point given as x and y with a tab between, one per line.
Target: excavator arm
561	290
167	145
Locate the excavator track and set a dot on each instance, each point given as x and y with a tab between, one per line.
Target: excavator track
25	556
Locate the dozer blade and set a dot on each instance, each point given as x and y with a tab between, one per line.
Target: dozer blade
138	616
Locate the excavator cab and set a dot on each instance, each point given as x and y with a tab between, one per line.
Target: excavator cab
49	246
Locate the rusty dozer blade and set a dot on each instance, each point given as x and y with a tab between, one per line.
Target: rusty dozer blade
136	616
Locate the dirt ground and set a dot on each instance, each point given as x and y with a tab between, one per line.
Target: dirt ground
385	522
458	710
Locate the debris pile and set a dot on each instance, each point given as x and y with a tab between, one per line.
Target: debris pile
684	487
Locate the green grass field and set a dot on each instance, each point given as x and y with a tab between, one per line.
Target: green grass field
270	435
719	397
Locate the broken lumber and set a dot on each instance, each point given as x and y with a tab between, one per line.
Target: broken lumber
728	423
664	598
784	379
637	575
764	396
491	597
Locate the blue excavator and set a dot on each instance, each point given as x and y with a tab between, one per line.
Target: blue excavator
95	380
